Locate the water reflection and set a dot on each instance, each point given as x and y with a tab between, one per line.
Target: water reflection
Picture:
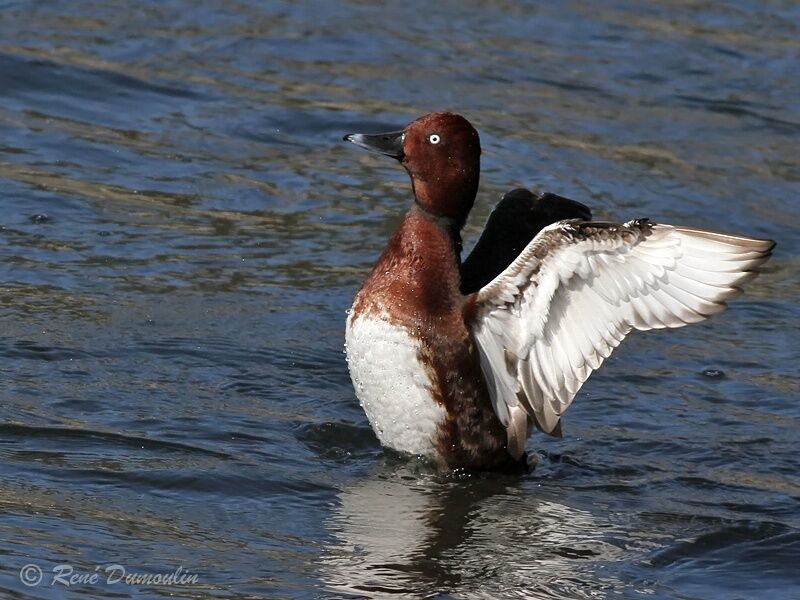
403	534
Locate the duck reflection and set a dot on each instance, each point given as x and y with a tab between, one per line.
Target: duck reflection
405	534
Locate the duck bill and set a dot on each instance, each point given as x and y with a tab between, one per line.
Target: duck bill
390	144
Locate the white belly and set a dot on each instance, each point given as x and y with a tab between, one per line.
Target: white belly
391	385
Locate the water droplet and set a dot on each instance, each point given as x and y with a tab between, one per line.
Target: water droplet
714	373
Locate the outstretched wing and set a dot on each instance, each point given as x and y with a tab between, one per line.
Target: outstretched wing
551	318
513	223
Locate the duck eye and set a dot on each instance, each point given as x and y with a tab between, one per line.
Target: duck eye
434	139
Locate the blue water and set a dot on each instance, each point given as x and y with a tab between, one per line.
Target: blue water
183	229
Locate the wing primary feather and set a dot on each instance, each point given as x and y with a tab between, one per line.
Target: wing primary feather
577	289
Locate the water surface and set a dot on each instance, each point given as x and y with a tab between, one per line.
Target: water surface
182	231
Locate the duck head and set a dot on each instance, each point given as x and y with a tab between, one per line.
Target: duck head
441	152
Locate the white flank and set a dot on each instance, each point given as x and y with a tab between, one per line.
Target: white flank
391	385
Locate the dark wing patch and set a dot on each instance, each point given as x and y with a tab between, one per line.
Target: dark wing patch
514	222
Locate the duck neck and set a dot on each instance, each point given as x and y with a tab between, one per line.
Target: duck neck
448	199
449	225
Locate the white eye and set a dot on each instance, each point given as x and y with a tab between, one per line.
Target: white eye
434	139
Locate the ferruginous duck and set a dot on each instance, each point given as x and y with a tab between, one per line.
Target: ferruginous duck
458	361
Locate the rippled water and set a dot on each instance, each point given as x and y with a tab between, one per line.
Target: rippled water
183	230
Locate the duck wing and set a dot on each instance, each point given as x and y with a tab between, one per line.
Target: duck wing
577	289
516	219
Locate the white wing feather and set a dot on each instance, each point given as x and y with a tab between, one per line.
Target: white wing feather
551	318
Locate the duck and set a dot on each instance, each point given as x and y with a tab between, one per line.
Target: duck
459	361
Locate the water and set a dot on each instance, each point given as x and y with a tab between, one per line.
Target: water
183	230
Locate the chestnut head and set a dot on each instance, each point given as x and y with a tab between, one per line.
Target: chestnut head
441	152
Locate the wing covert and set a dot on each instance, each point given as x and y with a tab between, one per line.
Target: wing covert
513	223
577	289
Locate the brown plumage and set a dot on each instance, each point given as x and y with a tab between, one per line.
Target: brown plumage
459	361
